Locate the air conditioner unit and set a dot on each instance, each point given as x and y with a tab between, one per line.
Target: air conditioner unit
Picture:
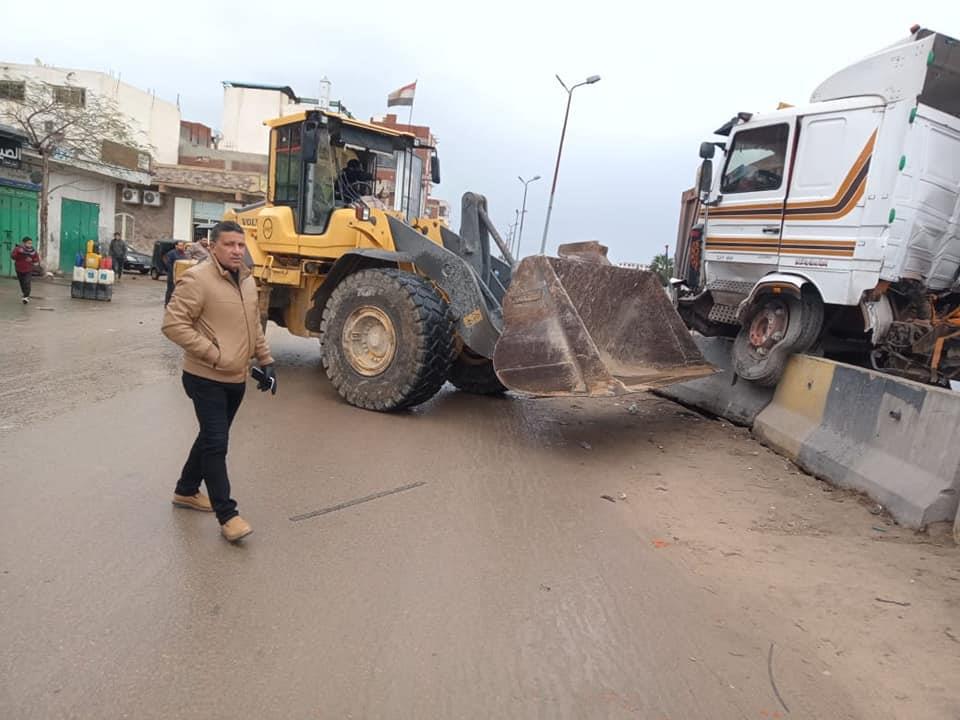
152	197
131	196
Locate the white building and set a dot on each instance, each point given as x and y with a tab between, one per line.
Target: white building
82	193
247	105
155	121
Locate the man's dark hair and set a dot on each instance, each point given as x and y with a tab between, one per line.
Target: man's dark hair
227	226
27	238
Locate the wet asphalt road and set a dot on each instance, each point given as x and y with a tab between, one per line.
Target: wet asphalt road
499	586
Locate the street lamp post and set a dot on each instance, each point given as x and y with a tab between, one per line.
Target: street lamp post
523	211
553	189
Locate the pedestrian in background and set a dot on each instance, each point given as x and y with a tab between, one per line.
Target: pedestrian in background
118	253
215	317
199	249
169	261
25	258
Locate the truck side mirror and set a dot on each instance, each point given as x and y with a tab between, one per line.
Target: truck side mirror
309	141
706	177
707	150
435	169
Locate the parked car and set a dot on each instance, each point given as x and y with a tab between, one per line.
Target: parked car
160	248
137	262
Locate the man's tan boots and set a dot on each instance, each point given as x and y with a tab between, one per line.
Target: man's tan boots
235	528
194	502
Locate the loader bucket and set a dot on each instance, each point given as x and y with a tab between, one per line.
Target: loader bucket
578	327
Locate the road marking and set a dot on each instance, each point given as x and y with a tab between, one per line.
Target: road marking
351	503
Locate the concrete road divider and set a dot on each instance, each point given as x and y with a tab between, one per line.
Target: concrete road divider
739	402
894	439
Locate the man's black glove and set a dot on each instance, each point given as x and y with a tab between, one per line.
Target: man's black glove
269	379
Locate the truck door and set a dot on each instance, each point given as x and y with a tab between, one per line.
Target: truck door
743	231
824	210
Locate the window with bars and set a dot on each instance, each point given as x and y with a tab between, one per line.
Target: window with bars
13	90
69	95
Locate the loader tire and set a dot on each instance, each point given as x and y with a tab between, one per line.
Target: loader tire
386	339
474	374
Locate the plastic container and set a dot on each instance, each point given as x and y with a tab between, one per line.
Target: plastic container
92	261
106	263
105	276
76	286
105	290
90	291
78	260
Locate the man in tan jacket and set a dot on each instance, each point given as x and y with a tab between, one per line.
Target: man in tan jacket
214	316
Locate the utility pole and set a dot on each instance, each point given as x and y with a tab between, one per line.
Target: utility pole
556	171
523	211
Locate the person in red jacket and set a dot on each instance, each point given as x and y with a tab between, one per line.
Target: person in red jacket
25	257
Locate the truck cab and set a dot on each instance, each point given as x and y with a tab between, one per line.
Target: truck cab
839	214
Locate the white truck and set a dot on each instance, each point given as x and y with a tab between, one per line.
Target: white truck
835	226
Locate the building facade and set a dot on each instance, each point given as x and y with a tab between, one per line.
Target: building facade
184	199
387	175
18	196
247	105
82	190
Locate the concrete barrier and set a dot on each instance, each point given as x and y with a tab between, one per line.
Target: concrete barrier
718	395
894	439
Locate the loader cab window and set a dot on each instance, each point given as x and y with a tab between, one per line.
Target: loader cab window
355	179
408	194
756	160
289	165
321	180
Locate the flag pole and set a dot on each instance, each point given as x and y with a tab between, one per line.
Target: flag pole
410	117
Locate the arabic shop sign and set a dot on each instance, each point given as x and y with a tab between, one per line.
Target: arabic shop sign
10	154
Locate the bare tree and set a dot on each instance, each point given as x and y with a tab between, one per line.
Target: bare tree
63	122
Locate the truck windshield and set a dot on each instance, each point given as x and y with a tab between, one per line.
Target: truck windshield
756	160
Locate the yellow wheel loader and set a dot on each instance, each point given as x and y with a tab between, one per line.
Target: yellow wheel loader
401	304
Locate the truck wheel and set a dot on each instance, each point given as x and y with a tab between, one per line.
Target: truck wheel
811	319
768	336
386	339
474	373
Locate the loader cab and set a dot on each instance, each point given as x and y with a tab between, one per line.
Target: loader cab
321	162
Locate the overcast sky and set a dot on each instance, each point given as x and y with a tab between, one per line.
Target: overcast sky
671	74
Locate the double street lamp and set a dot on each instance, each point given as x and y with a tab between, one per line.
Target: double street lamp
523	211
546	226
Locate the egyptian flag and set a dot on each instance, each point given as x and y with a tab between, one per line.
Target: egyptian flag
403	96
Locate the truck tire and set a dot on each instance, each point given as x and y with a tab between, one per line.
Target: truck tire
811	319
763	363
386	339
474	374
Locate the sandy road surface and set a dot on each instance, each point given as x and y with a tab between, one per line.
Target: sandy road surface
713	581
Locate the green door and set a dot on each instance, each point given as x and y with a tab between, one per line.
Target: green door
18	219
79	222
